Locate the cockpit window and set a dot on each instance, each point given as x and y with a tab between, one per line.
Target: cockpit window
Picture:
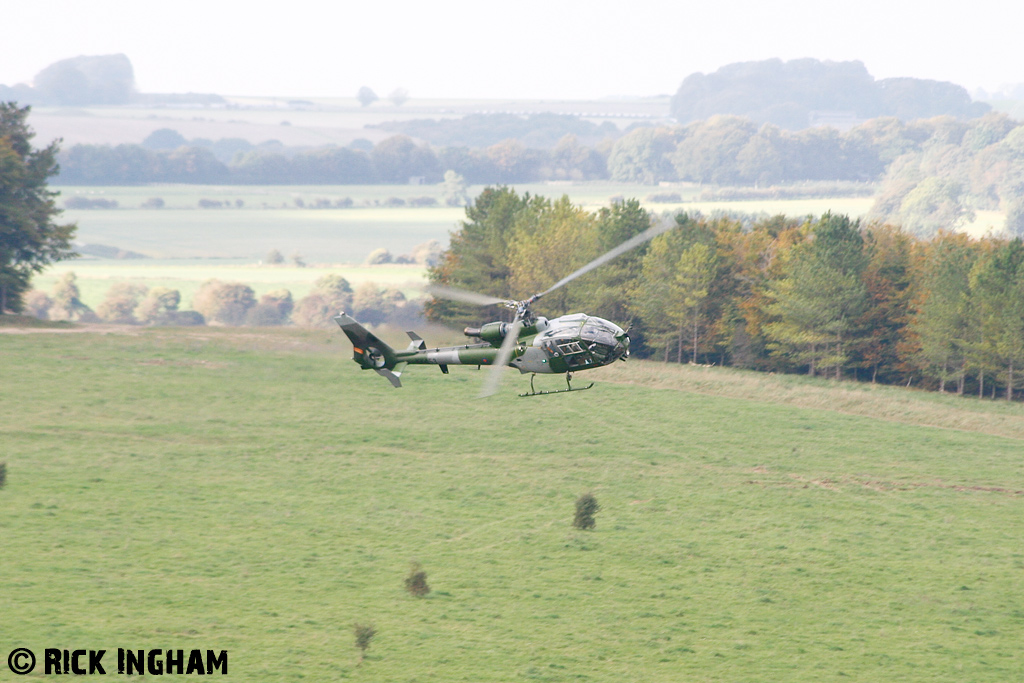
595	331
570	348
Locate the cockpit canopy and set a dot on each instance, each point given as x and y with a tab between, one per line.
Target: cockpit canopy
584	341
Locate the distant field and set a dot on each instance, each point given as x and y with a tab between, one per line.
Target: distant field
294	121
256	492
182	230
269	218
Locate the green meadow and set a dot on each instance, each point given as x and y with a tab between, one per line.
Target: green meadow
269	217
254	491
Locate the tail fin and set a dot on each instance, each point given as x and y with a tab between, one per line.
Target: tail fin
369	351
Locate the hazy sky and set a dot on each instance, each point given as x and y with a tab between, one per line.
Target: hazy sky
522	49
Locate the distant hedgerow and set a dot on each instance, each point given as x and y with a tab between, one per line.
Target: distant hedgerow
416	582
586	508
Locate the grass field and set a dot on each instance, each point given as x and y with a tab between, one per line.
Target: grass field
254	491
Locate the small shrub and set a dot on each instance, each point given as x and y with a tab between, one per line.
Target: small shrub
210	203
343	203
38	304
224	302
364	634
379	256
422	201
586	508
274	257
416	582
88	203
180	318
264	315
153	203
664	198
393	201
3	474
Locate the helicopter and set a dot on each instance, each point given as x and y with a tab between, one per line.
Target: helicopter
530	343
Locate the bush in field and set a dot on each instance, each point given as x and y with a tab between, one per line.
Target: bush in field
281	299
379	256
159	307
454	188
274	257
224	302
364	634
343	203
264	315
586	508
67	302
664	198
372	304
181	318
428	253
153	203
366	96
273	309
331	295
3	474
89	203
393	202
335	288
399	96
416	582
120	304
37	304
422	201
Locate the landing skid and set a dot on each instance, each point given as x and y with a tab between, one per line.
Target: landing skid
568	383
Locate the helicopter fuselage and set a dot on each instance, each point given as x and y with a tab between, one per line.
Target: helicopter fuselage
570	343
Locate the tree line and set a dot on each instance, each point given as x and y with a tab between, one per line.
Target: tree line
225	303
826	296
396	160
934	172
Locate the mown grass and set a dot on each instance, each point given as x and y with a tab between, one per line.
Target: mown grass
256	492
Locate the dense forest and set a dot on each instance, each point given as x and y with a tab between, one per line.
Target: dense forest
829	296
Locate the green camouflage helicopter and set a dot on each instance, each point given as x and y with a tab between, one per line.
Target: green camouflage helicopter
534	344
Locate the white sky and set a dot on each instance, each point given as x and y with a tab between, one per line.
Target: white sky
523	49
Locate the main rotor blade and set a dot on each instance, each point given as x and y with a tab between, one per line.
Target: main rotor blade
456	294
501	360
631	243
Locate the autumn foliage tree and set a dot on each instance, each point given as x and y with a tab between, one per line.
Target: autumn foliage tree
30	237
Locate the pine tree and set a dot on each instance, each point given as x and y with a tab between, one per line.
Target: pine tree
997	287
818	301
942	320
